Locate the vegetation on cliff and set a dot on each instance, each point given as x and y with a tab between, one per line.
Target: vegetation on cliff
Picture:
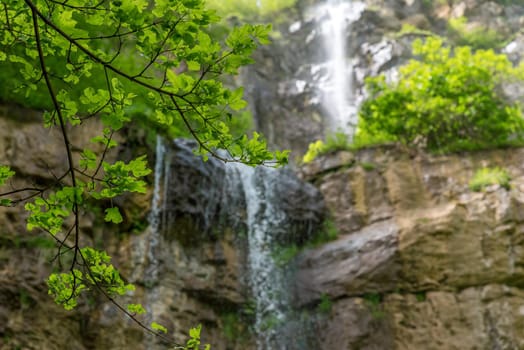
448	99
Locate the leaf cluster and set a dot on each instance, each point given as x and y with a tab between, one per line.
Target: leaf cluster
97	272
447	100
99	60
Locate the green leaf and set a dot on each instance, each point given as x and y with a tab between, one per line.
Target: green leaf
4	202
136	309
158	327
5	174
88	159
113	215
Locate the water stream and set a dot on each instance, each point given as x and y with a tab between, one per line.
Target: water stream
336	17
266	279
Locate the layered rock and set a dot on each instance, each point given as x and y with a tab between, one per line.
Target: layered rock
442	268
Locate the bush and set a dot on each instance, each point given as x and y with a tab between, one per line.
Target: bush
334	142
248	8
448	100
478	37
489	176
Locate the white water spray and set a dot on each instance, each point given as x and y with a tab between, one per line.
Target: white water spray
151	272
156	209
266	279
337	91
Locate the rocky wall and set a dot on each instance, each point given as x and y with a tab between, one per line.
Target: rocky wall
422	261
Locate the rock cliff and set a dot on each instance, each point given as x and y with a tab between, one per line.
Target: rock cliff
422	261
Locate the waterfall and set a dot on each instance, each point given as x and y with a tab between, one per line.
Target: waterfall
336	89
272	207
152	268
266	279
155	220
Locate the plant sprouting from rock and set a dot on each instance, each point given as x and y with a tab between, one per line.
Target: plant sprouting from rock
485	177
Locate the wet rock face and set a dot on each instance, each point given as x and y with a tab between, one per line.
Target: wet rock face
202	249
193	193
441	268
202	195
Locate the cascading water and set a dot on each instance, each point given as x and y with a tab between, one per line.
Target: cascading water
152	269
193	200
336	89
151	274
266	280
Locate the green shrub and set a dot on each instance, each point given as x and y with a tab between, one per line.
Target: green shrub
478	37
449	100
246	9
489	176
337	141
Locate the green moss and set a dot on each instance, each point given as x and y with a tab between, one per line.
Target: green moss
368	166
237	324
282	255
421	296
325	305
374	302
327	233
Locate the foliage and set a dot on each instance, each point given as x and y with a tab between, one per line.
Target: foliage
409	29
448	100
249	8
97	272
328	232
109	60
325	305
368	166
194	339
477	37
337	141
485	177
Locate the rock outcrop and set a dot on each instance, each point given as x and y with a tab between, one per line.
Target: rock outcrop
441	268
